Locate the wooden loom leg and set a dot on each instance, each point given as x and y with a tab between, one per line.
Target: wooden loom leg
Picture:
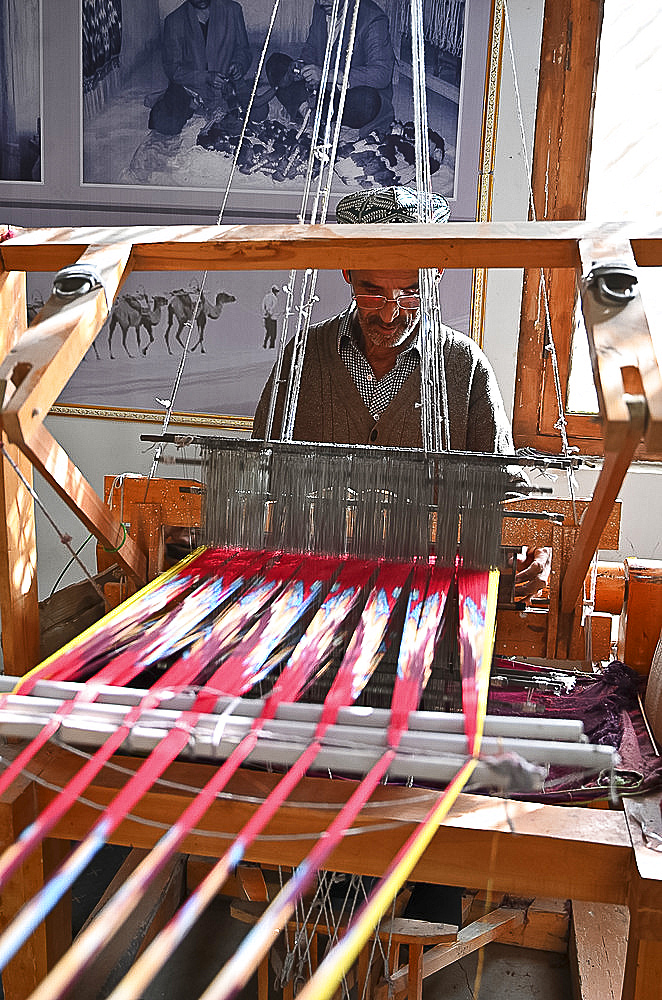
596	951
19	608
18	808
643	965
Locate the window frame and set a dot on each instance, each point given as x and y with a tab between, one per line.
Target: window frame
569	57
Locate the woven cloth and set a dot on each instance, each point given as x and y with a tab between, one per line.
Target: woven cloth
391	204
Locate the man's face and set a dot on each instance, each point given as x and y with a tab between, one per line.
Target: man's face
200	4
390	325
326	5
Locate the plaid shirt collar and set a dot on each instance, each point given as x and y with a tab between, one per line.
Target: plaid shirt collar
348	328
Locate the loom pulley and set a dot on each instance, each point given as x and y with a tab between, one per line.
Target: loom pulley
614	282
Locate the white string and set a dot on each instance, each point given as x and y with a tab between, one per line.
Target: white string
203	280
64	538
319	211
435	425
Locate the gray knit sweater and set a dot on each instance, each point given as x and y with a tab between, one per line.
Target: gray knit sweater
331	409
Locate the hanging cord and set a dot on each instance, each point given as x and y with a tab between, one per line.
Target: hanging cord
64	538
435	425
324	191
249	108
69	563
320	151
219	218
326	152
175	387
550	347
384	952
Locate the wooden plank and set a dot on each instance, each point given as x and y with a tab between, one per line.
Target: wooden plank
39	367
641	623
610	587
645	827
545	927
158	903
469	939
197	869
521	633
601	630
598	944
513	535
280	247
649	971
554	851
19	609
405	930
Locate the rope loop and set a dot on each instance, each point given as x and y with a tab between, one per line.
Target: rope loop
118	547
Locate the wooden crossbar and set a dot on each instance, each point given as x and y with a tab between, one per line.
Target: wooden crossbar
276	247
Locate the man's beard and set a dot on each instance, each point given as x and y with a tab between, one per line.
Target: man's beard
391	335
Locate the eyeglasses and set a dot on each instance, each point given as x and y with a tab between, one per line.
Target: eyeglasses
377	302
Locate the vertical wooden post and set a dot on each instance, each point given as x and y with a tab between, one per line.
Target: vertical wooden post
19	609
19	808
564	124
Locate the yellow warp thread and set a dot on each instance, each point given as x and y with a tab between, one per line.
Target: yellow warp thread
325	980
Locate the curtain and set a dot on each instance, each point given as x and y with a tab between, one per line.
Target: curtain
443	22
102	43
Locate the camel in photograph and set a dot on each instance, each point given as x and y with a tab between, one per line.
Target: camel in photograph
131	313
180	314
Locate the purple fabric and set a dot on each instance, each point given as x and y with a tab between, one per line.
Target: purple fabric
607	704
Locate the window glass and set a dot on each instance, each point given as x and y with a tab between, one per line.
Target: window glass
626	160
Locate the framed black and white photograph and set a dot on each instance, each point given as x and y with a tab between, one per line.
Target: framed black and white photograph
151	95
130	369
166	86
20	90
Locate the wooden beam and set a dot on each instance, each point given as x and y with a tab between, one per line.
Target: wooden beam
38	367
545	926
19	608
52	461
623	355
555	852
607	487
19	808
276	247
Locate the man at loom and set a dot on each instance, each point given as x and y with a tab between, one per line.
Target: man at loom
361	381
361	384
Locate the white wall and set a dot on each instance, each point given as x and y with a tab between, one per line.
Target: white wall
101	447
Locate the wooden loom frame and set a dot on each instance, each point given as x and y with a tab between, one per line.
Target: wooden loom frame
599	858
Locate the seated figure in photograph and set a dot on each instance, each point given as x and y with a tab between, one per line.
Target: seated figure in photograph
369	100
205	56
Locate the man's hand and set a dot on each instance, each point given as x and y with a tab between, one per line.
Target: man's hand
311	74
532	572
235	72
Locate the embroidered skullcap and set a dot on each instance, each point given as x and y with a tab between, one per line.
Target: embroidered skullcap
391	204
